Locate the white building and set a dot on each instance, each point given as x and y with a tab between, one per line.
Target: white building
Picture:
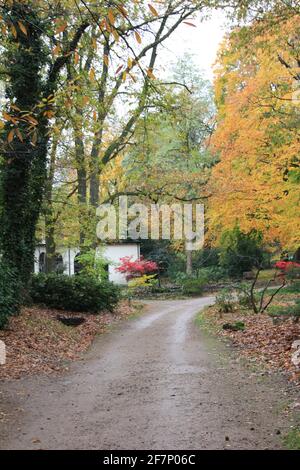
67	259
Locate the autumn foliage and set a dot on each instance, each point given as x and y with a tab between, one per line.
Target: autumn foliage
257	88
136	268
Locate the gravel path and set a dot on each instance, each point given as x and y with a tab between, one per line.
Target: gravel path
155	382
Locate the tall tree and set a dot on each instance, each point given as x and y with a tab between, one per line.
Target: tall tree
257	139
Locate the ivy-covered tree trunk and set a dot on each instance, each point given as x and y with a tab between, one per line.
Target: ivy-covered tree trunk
23	154
30	92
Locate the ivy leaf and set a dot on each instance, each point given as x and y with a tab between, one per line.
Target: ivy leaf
18	133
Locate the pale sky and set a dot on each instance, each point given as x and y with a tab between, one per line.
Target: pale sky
203	42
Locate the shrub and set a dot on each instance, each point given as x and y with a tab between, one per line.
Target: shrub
193	286
241	251
77	293
206	257
92	264
213	273
9	287
148	280
244	295
292	311
293	273
225	301
293	288
136	268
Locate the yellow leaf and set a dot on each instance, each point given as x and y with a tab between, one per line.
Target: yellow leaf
129	63
32	120
22	28
106	60
92	74
94	43
56	50
150	74
20	137
132	76
76	57
123	10
111	17
14	31
16	108
115	35
124	75
152	9
85	99
138	37
10	136
95	116
61	28
2	124
103	24
107	26
6	116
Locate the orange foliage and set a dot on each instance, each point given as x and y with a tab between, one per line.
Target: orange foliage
256	181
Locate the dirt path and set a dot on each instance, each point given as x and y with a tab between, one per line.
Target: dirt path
154	383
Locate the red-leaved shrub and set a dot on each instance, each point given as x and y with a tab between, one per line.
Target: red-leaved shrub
136	268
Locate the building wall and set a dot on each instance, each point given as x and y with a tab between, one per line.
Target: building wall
112	253
68	256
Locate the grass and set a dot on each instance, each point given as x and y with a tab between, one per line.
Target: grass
203	322
292	440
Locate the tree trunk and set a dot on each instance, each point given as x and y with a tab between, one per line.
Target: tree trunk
49	212
189	262
82	185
